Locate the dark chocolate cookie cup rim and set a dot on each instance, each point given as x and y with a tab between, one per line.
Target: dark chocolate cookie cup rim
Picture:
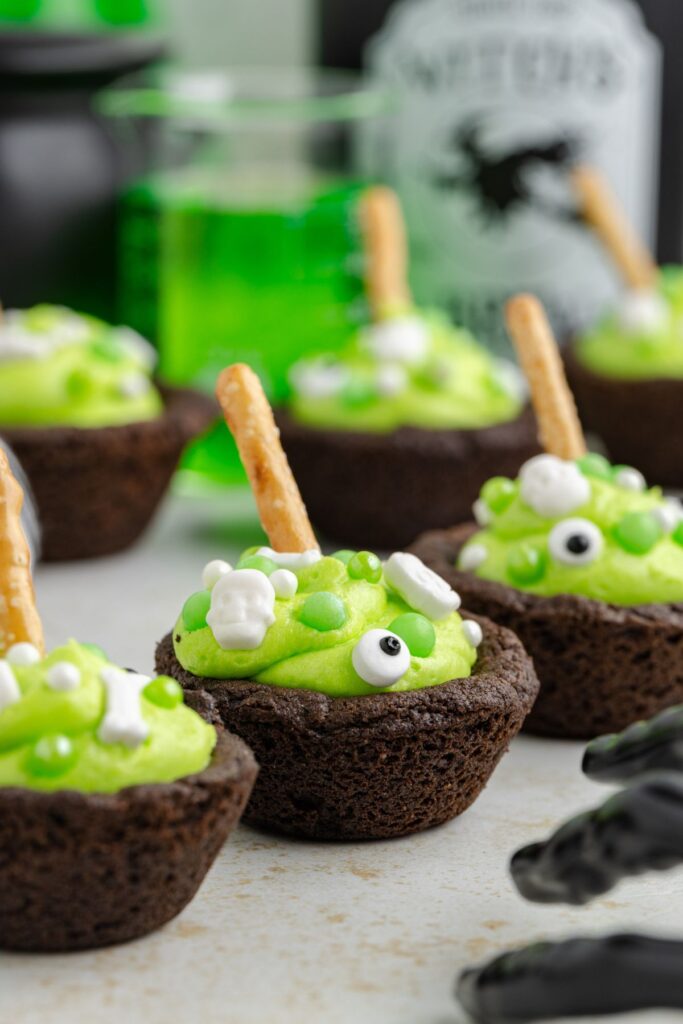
96	490
601	666
86	870
380	490
638	420
377	766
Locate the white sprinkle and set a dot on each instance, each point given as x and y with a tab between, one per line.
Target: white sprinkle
391	380
292	560
318	378
285	583
23	654
669	515
402	340
420	587
212	572
123	721
473	633
631	479
642	312
482	513
472	557
242	610
136	346
134	385
64	676
9	688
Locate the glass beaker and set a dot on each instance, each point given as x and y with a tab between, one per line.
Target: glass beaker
242	243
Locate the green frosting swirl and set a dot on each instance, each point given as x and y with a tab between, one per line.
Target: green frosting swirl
613	351
311	641
49	738
620	545
453	384
58	368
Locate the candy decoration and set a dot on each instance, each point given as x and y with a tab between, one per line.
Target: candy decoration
164	692
9	687
417	633
575	542
19	619
323	611
596	466
64	677
644	747
23	654
639	829
552	487
577	978
242	610
365	566
292	559
250	418
259	562
196	609
52	756
285	583
630	479
386	252
642	312
380	658
560	431
420	587
498	493
526	564
638	532
213	571
474	634
123	721
601	210
472	557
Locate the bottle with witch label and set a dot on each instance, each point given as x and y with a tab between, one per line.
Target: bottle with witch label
496	100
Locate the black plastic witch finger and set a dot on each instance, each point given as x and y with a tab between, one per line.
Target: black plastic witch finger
639	829
577	978
656	745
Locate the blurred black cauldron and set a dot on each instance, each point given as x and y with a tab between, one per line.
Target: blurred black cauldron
61	167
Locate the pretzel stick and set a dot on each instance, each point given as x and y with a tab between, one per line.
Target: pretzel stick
600	208
19	619
559	429
250	419
387	252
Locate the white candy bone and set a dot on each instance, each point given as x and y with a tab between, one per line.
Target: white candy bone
292	560
403	340
9	687
123	721
419	587
242	610
553	487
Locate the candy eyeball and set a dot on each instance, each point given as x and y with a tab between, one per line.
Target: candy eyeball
552	487
643	312
402	340
575	542
319	378
380	658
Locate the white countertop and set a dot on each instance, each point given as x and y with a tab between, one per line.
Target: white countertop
299	933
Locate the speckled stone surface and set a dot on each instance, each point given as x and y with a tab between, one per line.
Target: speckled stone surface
286	932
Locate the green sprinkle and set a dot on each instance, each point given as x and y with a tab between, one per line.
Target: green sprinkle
638	532
526	564
323	611
359	393
258	562
365	566
417	632
498	493
51	756
164	692
196	609
96	650
678	534
343	556
596	466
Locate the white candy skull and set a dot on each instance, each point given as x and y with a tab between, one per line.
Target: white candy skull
553	487
242	610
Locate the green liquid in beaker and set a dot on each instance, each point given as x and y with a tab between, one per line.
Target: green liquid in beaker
256	269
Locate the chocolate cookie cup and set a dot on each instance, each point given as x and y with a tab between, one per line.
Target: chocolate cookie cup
374	767
84	870
97	489
381	490
638	420
601	666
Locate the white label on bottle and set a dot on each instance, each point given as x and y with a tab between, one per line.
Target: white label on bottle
497	98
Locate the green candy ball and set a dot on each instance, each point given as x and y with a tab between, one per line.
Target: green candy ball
164	692
196	609
323	611
258	562
498	493
343	556
526	564
51	756
678	534
417	633
96	650
358	394
638	532
365	566
108	349
596	466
